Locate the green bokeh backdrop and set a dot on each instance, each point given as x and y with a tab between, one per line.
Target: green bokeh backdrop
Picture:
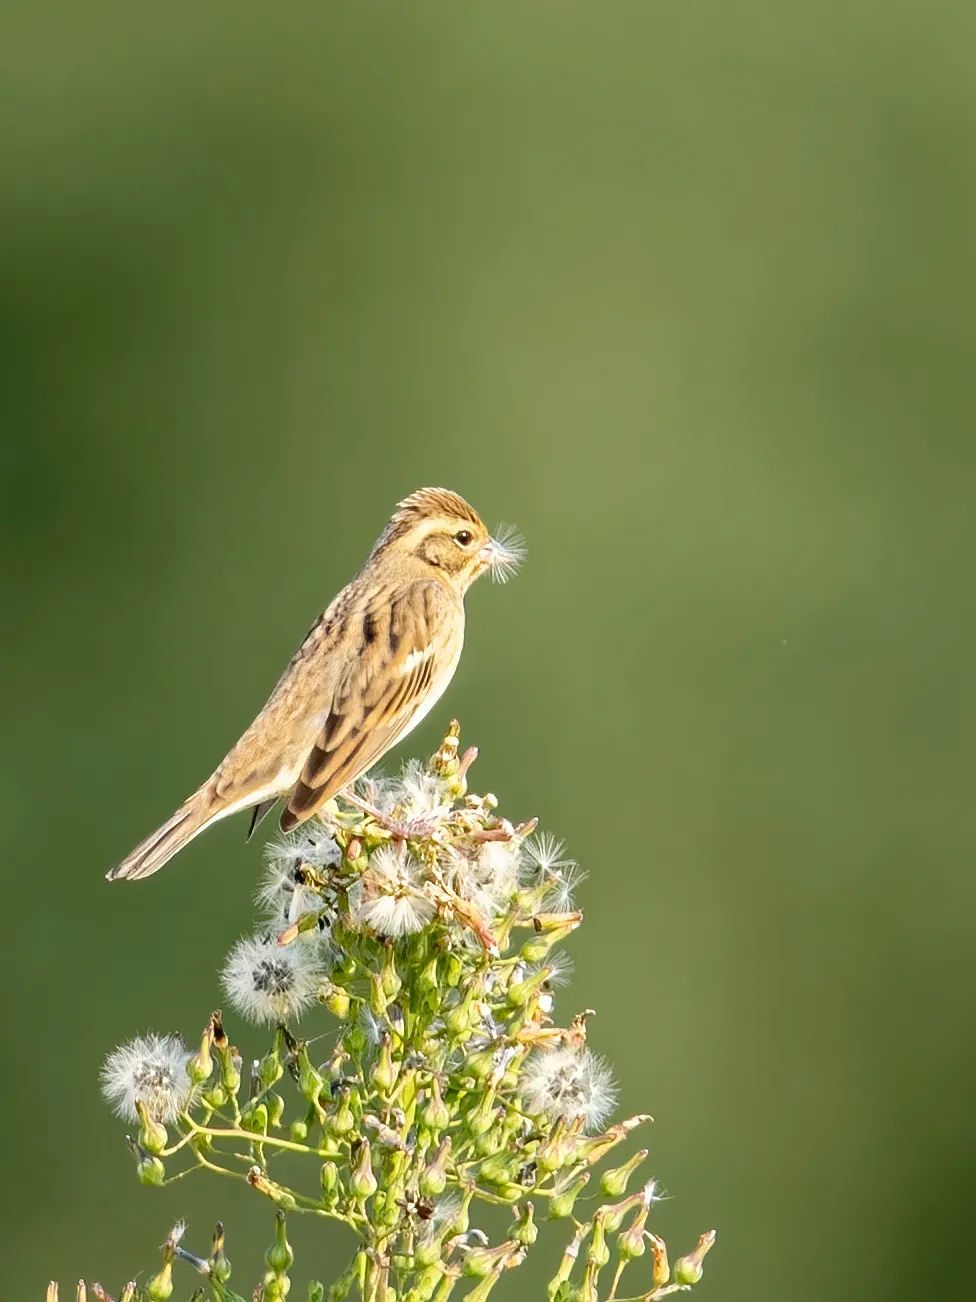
686	290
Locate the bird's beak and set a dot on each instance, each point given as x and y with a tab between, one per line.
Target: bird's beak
503	554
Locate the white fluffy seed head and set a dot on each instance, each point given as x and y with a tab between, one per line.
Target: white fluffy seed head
283	899
389	897
151	1070
544	859
423	795
506	553
313	843
269	983
568	1083
547	854
489	878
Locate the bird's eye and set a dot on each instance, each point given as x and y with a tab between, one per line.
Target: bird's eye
463	537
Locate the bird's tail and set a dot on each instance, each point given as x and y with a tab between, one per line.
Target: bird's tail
193	816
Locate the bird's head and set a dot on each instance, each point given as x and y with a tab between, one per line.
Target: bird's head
445	534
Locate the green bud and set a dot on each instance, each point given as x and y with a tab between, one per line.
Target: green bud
435	1113
329	1177
524	1229
337	1002
316	1293
458	1022
428	1249
598	1254
630	1243
161	1286
275	1287
388	976
480	1065
362	1181
270	1069
614	1182
345	968
354	1039
151	1171
219	1265
612	1214
426	1284
298	1131
152	1135
377	995
406	1092
482	1116
215	1097
520	992
453	971
342	1120
688	1269
200	1066
433	1178
478	1262
276	1109
229	1066
279	1256
427	977
481	1262
536	949
383	1075
561	1204
557	1151
310	1080
254	1117
498	1169
461	1217
491	1142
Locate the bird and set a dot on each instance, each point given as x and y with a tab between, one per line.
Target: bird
370	668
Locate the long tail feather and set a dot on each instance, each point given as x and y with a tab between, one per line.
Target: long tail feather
151	854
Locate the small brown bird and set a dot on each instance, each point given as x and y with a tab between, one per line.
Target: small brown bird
370	668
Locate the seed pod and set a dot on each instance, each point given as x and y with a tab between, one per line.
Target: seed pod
435	1114
280	1256
524	1229
433	1178
688	1269
254	1117
161	1286
383	1075
151	1171
561	1204
614	1182
200	1066
362	1181
152	1134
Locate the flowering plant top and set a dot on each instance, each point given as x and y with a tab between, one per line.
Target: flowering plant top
428	926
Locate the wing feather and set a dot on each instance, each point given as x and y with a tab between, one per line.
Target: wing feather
379	696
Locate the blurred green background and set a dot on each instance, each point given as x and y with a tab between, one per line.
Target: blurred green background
686	290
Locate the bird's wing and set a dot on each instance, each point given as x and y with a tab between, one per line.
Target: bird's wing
396	661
